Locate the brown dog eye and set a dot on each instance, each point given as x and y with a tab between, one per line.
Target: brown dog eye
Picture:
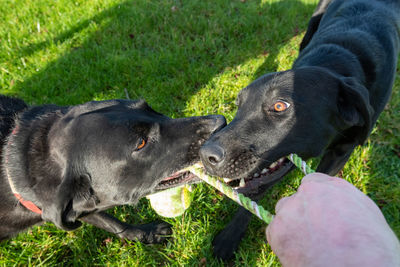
280	106
141	144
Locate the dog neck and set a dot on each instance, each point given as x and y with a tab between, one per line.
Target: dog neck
27	204
25	160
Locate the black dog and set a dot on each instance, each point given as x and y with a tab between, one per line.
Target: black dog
69	164
325	105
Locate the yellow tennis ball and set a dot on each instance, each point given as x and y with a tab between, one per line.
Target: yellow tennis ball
171	202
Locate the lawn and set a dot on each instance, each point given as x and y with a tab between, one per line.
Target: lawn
184	58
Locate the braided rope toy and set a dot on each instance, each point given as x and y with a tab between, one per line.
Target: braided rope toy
174	201
242	200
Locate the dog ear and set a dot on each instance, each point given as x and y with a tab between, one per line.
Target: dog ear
354	107
356	112
74	197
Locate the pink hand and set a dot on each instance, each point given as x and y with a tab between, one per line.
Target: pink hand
329	222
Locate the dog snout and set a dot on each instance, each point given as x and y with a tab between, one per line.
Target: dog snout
212	155
216	122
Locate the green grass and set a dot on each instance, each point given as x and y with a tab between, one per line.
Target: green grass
185	58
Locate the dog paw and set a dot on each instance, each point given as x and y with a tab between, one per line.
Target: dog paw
225	244
151	233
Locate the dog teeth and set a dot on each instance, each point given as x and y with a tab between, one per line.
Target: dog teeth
256	175
227	180
264	171
273	165
281	160
242	183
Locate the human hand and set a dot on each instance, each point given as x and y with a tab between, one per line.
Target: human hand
329	222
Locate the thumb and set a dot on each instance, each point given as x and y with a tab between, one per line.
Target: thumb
270	230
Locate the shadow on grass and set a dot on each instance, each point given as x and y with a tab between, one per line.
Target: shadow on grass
163	52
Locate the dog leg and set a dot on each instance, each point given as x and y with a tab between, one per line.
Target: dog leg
227	241
151	233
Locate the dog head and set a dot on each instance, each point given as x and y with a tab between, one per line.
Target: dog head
301	111
115	152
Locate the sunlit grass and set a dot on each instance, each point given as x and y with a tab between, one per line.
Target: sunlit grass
185	58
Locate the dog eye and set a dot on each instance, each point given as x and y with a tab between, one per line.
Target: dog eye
280	106
142	143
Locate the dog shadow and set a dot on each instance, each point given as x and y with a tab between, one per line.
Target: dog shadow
166	65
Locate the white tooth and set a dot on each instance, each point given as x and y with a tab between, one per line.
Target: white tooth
281	160
264	171
227	180
236	188
242	183
273	165
256	175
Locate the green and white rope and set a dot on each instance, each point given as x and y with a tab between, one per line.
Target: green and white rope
301	164
242	200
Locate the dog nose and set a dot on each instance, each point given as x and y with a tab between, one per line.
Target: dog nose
212	154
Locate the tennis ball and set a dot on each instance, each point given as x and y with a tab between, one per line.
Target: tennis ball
171	202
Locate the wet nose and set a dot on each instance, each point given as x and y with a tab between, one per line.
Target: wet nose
212	155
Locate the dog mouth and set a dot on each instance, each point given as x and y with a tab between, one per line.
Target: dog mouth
260	177
251	184
176	179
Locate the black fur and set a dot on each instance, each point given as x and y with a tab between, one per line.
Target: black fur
336	89
75	162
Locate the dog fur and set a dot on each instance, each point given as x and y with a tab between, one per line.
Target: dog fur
334	93
76	162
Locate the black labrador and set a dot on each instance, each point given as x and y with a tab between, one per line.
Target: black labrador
70	164
325	105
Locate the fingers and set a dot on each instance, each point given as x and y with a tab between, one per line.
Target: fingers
280	204
318	177
287	202
268	233
314	177
325	181
312	186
